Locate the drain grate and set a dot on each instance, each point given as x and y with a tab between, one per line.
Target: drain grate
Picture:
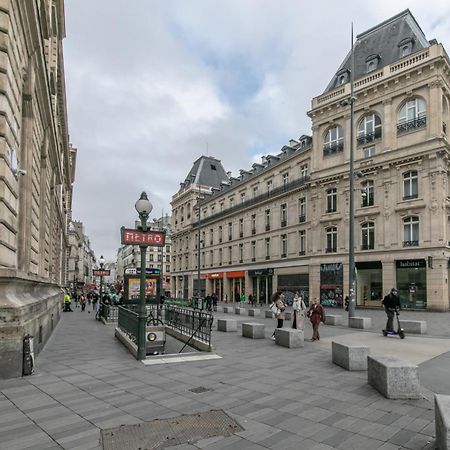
199	390
158	434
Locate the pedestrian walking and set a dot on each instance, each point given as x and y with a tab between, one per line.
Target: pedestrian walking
299	308
278	307
83	302
391	302
251	299
316	315
346	302
67	302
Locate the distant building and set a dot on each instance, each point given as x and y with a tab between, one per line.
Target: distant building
283	224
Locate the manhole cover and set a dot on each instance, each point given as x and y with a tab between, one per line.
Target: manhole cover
158	434
199	390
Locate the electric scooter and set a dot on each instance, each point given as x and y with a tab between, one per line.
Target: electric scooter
400	331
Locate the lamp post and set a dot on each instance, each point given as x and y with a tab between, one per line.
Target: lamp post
144	208
101	261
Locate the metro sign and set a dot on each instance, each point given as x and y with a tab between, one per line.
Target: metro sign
101	273
139	237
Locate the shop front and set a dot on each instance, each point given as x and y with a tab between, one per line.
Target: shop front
262	283
331	284
412	282
292	283
202	286
369	283
237	285
216	284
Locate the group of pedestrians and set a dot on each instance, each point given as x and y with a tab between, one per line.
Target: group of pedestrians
315	313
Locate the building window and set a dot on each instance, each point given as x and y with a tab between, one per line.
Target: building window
203	238
241	227
267	216
255	191
372	63
269	186
167	268
334	141
211	236
410	185
411	116
331	200
211	258
367	194
331	234
221	207
405	47
285	179
253	223
186	259
369	129
283	241
230	231
231	202
368	152
411	232
220	234
242	197
253	250
301	242
302	209
304	170
267	248
283	214
230	254
367	236
241	253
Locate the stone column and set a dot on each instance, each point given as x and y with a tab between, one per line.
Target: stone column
389	126
434	109
437	285
389	276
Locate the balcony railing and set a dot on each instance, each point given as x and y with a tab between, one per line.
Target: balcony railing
267	257
410	243
414	124
410	197
301	253
283	255
241	234
253	259
253	230
283	223
335	147
301	219
330	250
288	187
367	247
369	137
267	227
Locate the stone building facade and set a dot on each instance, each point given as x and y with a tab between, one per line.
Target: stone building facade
37	173
284	224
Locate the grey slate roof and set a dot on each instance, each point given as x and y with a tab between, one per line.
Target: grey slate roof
383	41
207	171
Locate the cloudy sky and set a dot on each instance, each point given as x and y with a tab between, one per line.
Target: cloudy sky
154	84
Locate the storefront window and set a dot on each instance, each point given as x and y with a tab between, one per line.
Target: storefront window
331	284
412	283
369	283
290	284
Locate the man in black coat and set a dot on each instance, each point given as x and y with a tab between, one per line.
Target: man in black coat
390	303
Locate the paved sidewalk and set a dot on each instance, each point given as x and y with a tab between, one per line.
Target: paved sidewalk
284	399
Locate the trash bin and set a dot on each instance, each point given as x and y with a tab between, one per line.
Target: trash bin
28	355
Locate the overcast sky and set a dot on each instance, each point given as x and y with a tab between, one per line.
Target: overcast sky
153	85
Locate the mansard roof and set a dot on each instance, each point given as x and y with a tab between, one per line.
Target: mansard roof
207	171
382	42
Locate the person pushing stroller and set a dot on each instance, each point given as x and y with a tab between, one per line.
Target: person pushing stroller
391	302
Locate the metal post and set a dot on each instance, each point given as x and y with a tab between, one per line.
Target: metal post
141	353
198	245
351	240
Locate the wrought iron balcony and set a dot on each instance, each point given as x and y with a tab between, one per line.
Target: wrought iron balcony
241	234
267	227
283	223
301	253
410	197
330	250
301	219
241	261
283	255
331	210
369	137
410	125
253	230
367	247
253	259
267	257
410	243
335	147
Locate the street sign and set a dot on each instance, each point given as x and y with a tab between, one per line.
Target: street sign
139	237
137	270
101	272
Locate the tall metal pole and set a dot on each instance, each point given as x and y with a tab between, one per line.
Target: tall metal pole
141	353
351	240
198	245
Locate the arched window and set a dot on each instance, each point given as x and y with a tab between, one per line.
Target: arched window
410	185
369	129
411	116
367	194
368	236
331	234
334	141
411	231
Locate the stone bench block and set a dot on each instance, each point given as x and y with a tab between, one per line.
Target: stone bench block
392	377
254	312
414	326
239	310
360	322
348	356
226	325
290	338
288	315
333	319
228	309
253	330
442	421
268	314
218	309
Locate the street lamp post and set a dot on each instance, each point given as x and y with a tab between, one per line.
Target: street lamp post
101	261
144	208
199	241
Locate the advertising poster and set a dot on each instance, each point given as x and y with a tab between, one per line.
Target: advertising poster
134	288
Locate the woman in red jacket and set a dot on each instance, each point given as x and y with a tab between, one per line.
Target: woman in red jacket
316	315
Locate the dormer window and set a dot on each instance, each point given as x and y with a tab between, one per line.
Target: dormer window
342	77
405	46
372	63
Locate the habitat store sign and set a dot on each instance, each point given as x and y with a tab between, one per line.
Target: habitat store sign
410	263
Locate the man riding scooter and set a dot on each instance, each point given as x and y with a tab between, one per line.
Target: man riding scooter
391	303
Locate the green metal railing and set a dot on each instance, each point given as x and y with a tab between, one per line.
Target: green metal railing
110	313
128	322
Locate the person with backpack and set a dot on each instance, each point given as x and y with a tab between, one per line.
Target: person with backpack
278	306
391	302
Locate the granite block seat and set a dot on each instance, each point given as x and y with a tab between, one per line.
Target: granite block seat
253	330
239	310
226	325
442	421
414	326
360	322
392	377
290	338
333	319
218	309
254	312
228	309
349	356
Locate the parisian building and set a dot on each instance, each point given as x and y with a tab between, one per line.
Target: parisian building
283	224
37	166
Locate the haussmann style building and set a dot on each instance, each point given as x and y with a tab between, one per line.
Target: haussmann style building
284	223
